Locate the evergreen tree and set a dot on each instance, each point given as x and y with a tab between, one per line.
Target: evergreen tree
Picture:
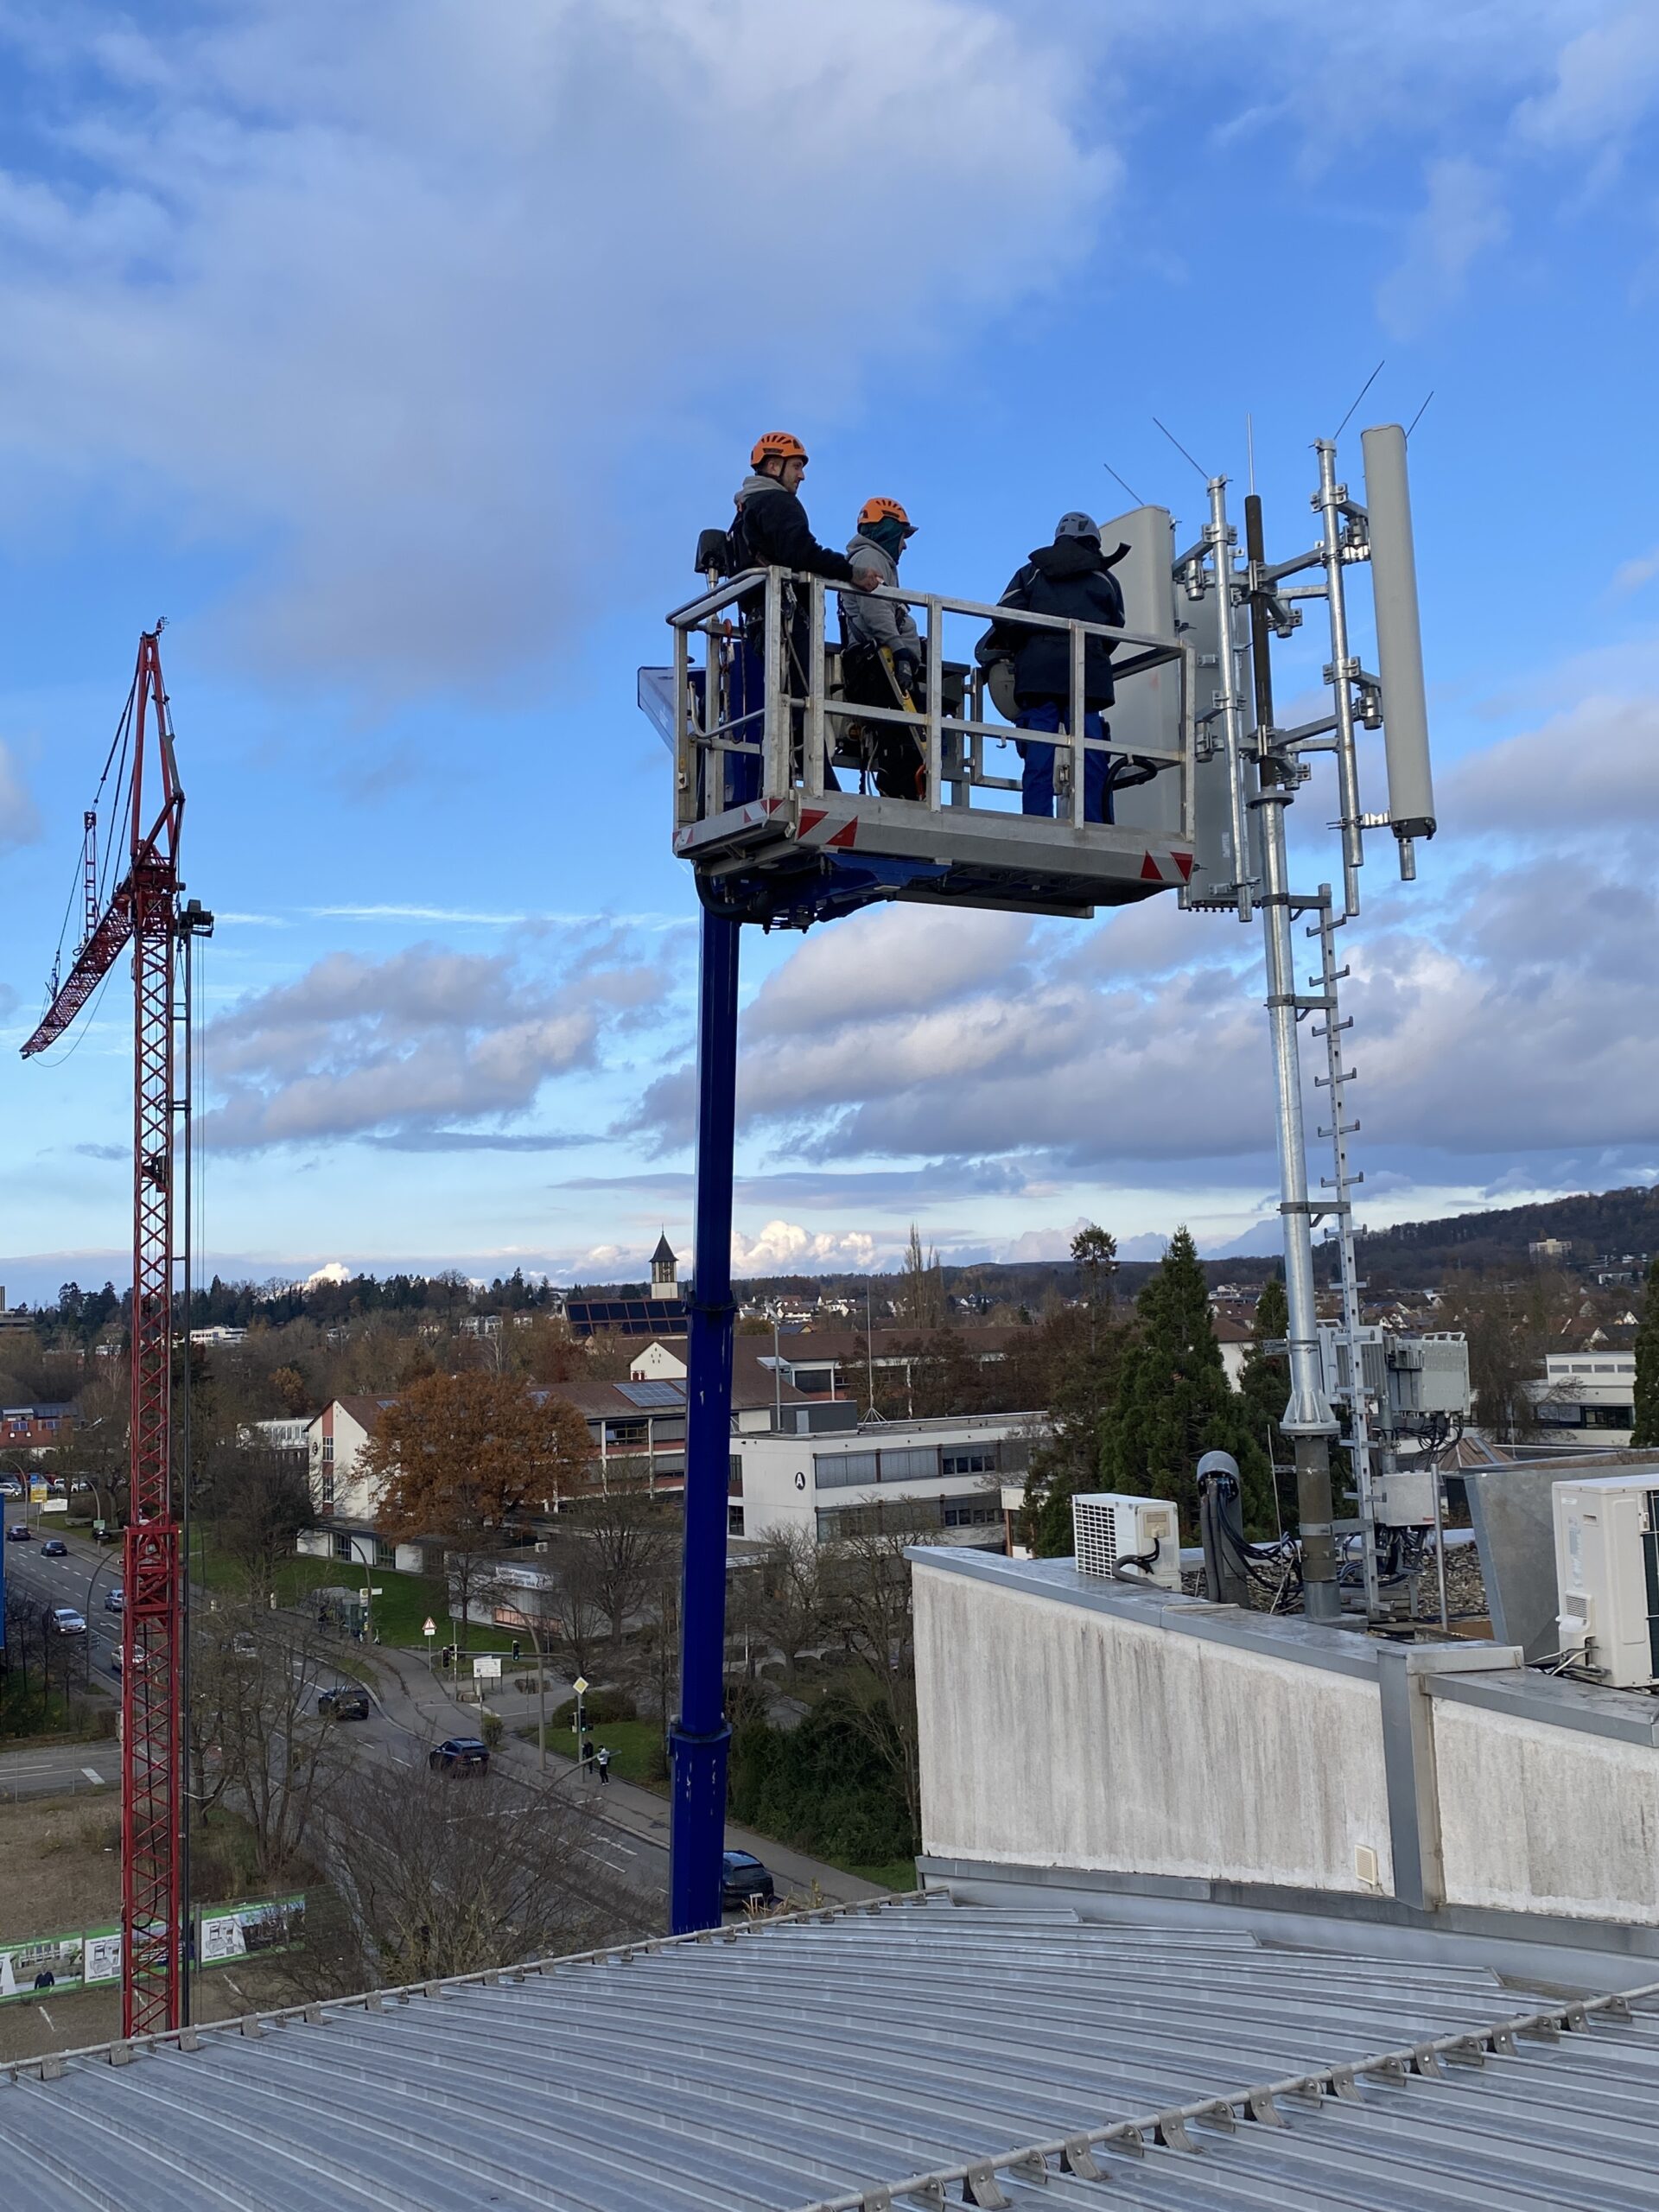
1081	1383
1174	1402
1264	1386
1646	1431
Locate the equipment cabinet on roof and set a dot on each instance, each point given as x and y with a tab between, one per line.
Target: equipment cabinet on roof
775	802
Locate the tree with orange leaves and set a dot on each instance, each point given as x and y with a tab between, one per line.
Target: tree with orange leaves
462	1458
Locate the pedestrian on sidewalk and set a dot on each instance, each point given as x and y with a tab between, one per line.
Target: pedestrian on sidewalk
603	1763
588	1756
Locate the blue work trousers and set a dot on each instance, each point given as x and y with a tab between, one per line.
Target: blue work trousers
746	694
1037	778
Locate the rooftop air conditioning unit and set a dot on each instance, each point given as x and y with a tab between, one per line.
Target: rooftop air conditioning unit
1607	1574
1109	1530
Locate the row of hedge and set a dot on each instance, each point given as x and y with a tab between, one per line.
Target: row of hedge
821	1787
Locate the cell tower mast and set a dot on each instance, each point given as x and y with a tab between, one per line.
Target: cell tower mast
144	911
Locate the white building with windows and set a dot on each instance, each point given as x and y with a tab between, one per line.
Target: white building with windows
840	1480
1586	1397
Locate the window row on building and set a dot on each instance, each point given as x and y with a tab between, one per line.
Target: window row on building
915	1463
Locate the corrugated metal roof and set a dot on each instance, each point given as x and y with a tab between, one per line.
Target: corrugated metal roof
913	2052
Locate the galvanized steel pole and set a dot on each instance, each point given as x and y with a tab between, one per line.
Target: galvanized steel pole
699	1734
1307	1419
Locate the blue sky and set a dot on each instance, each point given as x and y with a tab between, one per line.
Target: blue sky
398	353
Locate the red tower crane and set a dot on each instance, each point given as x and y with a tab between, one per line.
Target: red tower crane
144	911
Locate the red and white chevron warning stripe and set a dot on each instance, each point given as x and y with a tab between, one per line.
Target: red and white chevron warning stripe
1173	866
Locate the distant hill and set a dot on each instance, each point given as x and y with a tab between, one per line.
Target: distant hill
1604	1225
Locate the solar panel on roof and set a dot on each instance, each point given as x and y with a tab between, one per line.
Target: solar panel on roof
653	1394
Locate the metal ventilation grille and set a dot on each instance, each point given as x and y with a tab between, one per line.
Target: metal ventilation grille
1094	1534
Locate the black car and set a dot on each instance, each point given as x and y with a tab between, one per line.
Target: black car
459	1755
20	1532
54	1548
744	1880
345	1703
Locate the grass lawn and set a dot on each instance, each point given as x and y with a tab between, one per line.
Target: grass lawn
901	1874
405	1602
630	1744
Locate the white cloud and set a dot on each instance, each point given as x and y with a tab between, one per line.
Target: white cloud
20	821
331	1271
784	1246
1606	80
1594	766
415	1041
397	291
1631	576
1462	217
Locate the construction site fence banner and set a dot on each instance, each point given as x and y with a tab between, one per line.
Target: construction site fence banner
52	1965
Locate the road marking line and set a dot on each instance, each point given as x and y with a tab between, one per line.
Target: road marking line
47	2018
91	1774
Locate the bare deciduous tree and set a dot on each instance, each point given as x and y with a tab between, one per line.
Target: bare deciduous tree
443	1875
628	1536
258	1743
779	1600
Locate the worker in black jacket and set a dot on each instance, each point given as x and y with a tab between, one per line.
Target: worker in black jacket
770	531
1072	578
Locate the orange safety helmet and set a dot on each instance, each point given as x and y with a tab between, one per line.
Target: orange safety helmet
885	511
777	445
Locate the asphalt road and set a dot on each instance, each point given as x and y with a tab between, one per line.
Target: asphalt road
402	1726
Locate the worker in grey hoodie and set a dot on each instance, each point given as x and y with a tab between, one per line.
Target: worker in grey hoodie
882	650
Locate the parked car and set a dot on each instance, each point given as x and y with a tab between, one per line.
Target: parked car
10	1487
54	1548
20	1532
344	1704
106	1536
743	1878
115	1661
65	1621
243	1646
459	1755
115	1599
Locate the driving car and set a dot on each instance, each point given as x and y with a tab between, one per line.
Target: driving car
115	1598
54	1548
10	1487
344	1704
743	1878
459	1755
20	1532
65	1621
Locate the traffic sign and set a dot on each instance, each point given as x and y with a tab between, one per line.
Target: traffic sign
489	1666
431	1628
580	1686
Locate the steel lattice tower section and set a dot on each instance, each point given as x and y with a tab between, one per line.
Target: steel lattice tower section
144	910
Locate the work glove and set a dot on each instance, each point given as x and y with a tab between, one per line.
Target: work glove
904	670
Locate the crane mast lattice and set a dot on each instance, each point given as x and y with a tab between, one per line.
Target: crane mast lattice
144	911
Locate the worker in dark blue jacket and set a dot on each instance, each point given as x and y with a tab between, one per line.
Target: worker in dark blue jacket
1073	579
770	531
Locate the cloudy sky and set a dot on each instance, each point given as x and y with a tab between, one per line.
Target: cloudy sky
395	354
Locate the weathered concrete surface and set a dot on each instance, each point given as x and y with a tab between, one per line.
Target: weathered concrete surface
1536	1818
1056	1735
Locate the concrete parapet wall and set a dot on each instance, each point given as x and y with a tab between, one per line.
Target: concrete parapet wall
1536	1818
1082	1726
1086	1739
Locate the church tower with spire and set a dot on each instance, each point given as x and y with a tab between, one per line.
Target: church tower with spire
664	1270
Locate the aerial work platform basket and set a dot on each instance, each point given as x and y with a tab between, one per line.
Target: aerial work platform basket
774	797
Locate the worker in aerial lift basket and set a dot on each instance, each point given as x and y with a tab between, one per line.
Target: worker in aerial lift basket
881	653
1072	578
770	530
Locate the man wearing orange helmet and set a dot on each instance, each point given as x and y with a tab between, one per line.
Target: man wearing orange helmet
770	531
882	650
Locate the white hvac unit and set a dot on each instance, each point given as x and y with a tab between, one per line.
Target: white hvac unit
1109	1530
1607	1574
